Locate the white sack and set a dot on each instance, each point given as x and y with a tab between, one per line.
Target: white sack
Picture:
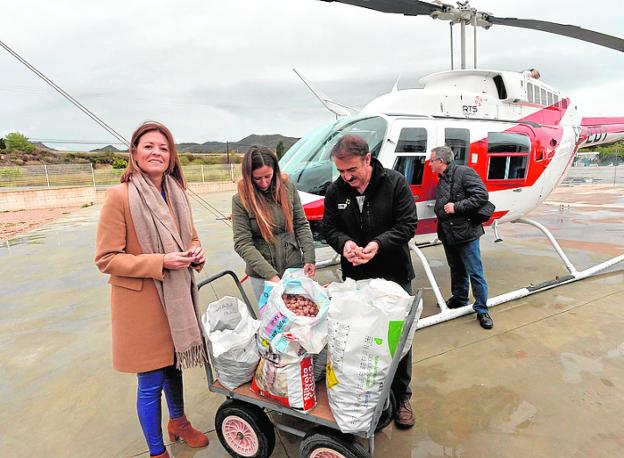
276	318
231	334
365	322
286	374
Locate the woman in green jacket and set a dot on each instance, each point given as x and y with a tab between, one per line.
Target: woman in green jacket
271	232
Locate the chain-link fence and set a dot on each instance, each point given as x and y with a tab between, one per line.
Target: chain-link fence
50	176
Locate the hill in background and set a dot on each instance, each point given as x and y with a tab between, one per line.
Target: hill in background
109	155
107	149
240	146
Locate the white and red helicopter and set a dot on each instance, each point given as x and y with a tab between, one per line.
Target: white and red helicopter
517	132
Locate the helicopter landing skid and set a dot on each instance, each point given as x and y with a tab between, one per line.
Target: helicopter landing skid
447	314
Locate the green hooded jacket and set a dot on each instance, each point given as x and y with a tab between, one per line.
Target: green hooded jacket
264	259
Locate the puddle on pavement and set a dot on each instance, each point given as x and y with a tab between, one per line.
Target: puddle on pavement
453	418
575	366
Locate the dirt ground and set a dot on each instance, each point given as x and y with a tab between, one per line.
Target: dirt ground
13	223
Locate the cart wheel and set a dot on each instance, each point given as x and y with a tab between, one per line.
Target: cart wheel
317	444
244	430
387	415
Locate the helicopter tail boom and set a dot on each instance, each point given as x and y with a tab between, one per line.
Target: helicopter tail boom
597	131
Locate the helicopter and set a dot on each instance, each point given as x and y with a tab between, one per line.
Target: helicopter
516	131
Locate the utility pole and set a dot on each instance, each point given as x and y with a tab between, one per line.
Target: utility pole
617	159
227	151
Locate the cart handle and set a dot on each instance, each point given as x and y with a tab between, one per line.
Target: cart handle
238	285
387	384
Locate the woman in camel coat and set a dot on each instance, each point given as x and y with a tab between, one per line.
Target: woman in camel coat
147	243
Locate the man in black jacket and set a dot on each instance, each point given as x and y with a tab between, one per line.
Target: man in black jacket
460	194
369	217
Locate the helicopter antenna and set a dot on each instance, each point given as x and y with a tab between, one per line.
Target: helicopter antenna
337	108
395	88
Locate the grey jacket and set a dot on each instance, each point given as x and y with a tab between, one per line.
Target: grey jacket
264	259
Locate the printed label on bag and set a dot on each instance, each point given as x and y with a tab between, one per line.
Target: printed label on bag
330	375
307	383
264	297
276	325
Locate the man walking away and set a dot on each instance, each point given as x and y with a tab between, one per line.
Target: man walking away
459	195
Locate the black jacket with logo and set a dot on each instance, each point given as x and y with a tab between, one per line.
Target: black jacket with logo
388	216
469	194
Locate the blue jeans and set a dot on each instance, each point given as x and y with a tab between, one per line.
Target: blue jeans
464	260
150	386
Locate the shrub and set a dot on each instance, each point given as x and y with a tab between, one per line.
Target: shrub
119	163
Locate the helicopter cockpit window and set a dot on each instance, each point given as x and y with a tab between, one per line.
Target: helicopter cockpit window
412	140
412	168
310	167
459	141
508	155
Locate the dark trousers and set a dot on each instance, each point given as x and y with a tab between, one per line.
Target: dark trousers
403	376
149	394
464	260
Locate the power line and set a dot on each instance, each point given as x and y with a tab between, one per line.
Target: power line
99	121
81	142
75	102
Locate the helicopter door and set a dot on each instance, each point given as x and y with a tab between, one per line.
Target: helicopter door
406	152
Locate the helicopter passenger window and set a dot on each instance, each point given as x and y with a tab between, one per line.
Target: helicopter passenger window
508	155
530	92
536	95
544	98
411	167
556	99
412	140
459	141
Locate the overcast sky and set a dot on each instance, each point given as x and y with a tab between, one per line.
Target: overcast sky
221	70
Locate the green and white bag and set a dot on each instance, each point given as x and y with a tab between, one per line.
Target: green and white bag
365	323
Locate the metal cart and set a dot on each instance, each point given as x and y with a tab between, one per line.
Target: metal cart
245	430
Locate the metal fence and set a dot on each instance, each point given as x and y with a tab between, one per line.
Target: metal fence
50	176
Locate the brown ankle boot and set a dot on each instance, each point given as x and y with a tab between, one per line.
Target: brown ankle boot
180	428
404	417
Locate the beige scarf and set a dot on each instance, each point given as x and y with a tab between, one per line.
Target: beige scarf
158	233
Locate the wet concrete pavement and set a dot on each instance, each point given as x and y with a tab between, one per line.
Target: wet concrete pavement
546	381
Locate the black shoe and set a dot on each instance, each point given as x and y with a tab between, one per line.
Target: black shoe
453	303
485	320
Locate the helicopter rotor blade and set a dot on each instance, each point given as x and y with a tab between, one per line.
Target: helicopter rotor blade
406	7
571	31
464	13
